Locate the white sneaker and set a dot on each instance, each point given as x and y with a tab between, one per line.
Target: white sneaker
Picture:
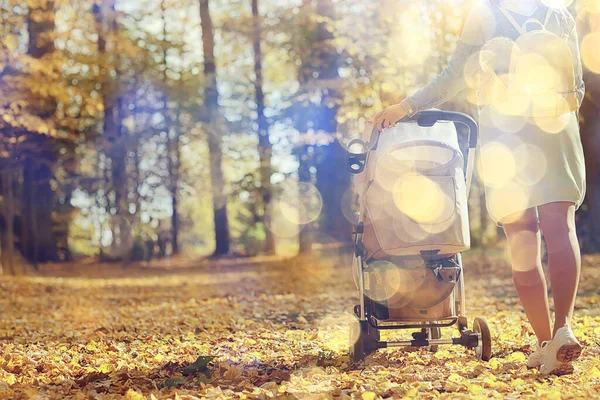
560	352
536	359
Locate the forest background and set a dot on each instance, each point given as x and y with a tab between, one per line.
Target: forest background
133	130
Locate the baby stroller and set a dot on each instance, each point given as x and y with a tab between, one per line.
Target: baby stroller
413	224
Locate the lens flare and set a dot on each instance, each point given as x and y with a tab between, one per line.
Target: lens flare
521	245
350	206
507	117
380	288
277	221
541	79
421	157
332	331
302	205
386	173
531	164
354	331
421	199
471	70
554	124
589	51
509	202
390	283
408	230
557	3
415	51
434	229
591	6
375	200
497	165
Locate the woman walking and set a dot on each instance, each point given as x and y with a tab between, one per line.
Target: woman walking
532	168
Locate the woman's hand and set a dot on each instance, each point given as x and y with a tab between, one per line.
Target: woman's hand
389	117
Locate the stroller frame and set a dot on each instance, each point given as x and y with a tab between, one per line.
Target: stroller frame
365	336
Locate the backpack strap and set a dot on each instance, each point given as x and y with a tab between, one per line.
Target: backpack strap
512	20
522	29
548	15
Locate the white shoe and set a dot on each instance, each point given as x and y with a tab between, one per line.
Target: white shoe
560	352
536	359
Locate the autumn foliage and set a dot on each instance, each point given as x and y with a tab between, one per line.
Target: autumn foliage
275	330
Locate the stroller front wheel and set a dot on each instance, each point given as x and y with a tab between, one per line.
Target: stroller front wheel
483	351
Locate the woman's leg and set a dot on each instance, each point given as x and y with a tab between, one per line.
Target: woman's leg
564	258
524	244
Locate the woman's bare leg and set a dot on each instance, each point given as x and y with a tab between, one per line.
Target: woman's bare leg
524	244
564	257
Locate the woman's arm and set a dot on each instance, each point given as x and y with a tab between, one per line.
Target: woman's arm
450	81
445	86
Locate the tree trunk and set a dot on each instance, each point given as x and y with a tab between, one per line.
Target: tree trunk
175	166
211	104
114	134
102	200
7	234
38	197
306	235
173	150
264	144
303	150
332	178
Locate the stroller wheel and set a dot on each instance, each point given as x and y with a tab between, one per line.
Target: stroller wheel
363	340
484	346
433	333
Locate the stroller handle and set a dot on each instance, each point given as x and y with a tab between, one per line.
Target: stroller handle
356	161
431	117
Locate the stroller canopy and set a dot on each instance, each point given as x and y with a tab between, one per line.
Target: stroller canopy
413	192
421	148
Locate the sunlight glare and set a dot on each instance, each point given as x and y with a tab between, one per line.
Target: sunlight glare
409	230
589	51
421	199
388	282
557	3
332	331
554	124
531	164
383	280
386	172
591	6
350	206
277	221
497	166
506	116
522	244
505	200
302	205
414	52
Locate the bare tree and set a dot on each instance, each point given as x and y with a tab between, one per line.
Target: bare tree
212	121
264	144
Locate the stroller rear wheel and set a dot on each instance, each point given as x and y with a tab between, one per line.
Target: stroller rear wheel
484	345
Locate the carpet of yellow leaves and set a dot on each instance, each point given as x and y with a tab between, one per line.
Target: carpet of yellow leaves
276	331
